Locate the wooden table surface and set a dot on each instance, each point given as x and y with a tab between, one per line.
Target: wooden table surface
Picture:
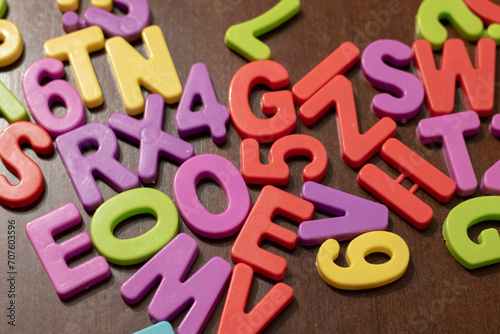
436	294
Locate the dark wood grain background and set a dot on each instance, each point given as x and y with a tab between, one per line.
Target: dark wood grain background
435	295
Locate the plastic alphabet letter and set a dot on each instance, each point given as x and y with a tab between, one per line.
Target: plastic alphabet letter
196	217
68	5
277	171
12	44
360	274
10	107
130	203
356	215
259	226
129	26
40	98
75	48
495	125
157	74
163	327
469	254
72	22
213	118
490	183
378	74
154	142
429	27
31	184
487	10
72	5
169	267
356	148
242	38
338	62
3	7
103	164
477	83
235	320
103	4
450	130
53	256
280	103
394	195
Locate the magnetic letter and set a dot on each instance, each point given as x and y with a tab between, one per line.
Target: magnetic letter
394	195
103	163
356	215
163	327
490	183
280	103
450	130
170	266
356	148
53	256
430	13
469	254
31	184
242	37
12	45
338	62
196	217
477	82
3	7
154	142
40	98
130	203
259	226
157	74
75	48
378	74
489	12
128	26
235	320
10	107
68	5
72	5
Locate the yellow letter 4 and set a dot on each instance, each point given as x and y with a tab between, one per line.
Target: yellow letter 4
157	74
361	274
